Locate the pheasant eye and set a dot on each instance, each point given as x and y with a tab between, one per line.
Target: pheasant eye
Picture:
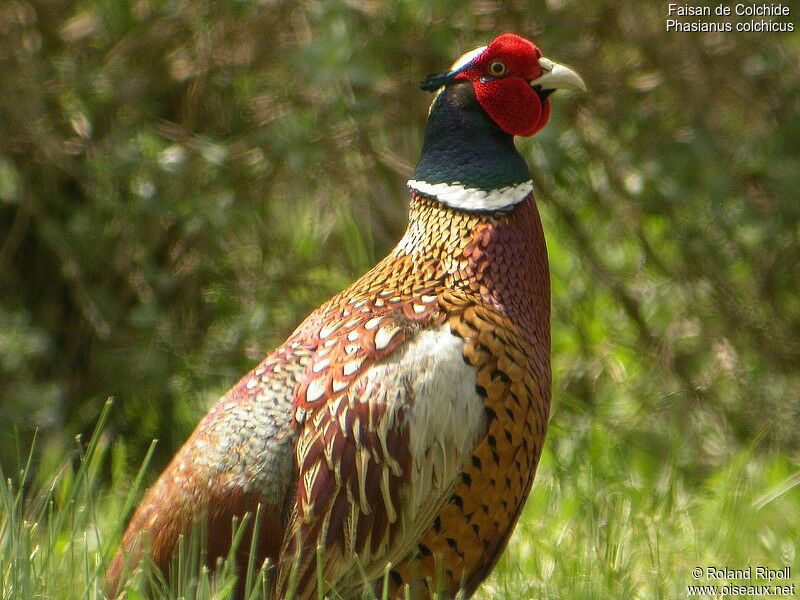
497	68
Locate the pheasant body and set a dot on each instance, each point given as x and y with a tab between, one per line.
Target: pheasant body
401	423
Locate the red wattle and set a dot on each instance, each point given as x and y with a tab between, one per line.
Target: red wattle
513	104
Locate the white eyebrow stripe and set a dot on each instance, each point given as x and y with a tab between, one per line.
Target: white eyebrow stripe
467	58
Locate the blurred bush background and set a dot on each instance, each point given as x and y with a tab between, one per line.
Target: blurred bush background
181	182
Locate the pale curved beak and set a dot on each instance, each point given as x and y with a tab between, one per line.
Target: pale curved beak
557	77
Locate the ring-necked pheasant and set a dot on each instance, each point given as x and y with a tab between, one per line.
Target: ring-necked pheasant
402	422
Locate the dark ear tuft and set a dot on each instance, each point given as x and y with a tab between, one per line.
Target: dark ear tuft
433	82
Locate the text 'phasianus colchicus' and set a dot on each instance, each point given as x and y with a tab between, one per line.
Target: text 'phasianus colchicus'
398	429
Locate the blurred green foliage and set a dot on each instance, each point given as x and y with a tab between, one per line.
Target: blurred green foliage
181	182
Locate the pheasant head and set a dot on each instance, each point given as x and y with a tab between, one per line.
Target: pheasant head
487	97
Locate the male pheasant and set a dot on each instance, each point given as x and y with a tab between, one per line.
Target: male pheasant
402	422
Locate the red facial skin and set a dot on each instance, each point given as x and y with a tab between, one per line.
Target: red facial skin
510	100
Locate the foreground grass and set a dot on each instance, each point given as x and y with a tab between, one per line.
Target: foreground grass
619	527
628	536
